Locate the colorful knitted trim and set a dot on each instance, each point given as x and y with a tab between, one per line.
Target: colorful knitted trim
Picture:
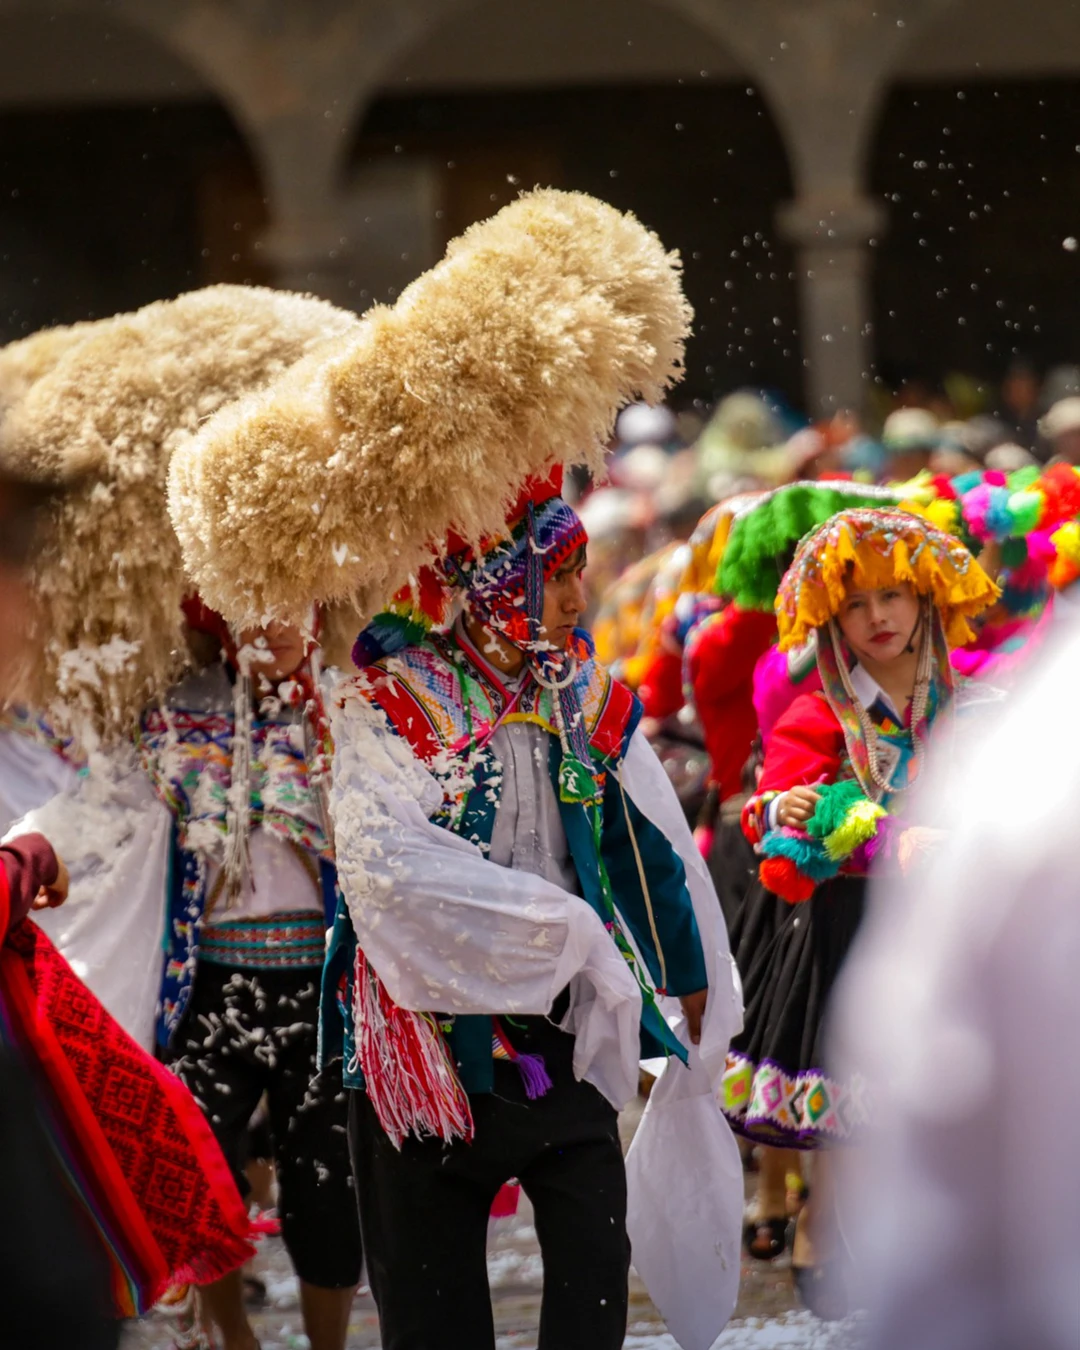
294	940
499	584
764	1103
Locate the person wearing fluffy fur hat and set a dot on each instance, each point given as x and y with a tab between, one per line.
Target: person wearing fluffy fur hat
515	862
111	1184
885	593
235	756
522	903
196	829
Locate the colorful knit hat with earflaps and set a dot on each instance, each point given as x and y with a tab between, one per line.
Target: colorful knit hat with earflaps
871	549
501	580
501	583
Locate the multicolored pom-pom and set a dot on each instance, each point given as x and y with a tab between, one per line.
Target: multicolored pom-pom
783	878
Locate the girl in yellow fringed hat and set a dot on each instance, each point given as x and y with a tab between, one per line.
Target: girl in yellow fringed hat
886	594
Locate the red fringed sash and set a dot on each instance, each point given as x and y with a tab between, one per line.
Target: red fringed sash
133	1144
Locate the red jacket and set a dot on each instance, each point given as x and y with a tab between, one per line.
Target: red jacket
807	747
721	654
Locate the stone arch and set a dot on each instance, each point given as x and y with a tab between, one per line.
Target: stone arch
155	187
635	71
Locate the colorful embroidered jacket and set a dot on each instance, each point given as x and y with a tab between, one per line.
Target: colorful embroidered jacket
187	752
444	700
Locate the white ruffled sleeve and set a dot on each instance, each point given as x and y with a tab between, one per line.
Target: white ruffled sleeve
113	834
449	931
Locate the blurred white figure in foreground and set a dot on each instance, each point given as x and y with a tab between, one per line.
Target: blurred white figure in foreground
962	1003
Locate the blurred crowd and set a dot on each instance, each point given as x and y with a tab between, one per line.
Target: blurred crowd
668	468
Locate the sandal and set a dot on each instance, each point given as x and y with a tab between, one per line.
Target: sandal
765	1239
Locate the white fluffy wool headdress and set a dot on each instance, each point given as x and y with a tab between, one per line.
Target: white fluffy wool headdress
513	354
114	407
27	360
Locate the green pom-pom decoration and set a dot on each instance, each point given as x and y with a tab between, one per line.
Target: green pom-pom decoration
1021	479
859	825
761	542
836	800
843	819
1025	509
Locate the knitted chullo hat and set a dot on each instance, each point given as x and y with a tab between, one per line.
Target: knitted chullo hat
120	397
500	581
870	549
513	355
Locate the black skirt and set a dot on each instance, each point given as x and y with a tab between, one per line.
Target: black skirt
733	866
777	1089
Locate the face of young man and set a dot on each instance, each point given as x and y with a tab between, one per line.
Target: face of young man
564	601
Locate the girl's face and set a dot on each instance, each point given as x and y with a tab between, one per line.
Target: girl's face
879	625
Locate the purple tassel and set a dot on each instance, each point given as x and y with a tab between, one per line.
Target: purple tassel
534	1075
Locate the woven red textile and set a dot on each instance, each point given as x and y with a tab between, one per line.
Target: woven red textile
134	1145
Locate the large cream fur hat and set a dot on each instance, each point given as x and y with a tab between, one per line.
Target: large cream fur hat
112	405
26	360
513	354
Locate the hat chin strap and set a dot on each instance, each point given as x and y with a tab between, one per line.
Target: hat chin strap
909	646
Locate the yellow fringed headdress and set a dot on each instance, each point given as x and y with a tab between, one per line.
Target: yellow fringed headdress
869	550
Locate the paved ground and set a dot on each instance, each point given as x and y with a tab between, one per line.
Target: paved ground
767	1316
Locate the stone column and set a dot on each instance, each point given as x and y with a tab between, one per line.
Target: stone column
310	252
823	69
832	264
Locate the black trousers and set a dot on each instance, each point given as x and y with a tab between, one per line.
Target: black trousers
424	1211
250	1032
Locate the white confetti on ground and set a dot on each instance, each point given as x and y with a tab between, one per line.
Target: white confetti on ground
794	1331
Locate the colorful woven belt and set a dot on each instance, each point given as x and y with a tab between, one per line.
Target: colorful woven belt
289	941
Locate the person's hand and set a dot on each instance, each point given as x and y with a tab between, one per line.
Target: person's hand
51	896
693	1006
797	806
